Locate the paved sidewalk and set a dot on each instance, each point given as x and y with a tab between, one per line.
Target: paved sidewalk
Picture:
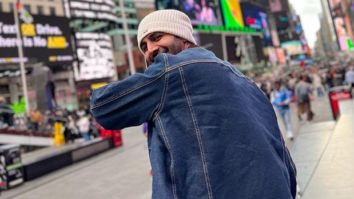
119	173
324	156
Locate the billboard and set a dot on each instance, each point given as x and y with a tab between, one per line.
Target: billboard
201	12
340	26
282	20
278	5
165	4
232	14
95	56
255	17
293	47
92	9
46	39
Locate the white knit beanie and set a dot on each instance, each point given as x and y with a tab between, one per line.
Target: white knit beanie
168	21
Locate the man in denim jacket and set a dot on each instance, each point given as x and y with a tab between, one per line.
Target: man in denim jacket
212	132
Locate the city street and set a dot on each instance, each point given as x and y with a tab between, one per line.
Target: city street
123	172
72	70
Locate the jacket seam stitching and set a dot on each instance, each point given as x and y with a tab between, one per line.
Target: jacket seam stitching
164	137
173	67
197	131
115	97
163	98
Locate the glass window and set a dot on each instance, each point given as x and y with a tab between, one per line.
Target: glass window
40	10
27	7
11	7
52	11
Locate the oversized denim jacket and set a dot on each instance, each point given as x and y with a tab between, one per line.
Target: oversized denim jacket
212	132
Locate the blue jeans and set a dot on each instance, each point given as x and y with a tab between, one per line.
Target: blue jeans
285	115
320	92
86	136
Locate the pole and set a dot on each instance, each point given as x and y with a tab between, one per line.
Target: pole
223	44
22	64
127	39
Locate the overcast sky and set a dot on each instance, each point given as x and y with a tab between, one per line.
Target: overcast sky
309	13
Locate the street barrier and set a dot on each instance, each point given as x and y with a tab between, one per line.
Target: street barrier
115	135
53	162
337	94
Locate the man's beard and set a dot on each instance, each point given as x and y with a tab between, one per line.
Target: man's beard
174	49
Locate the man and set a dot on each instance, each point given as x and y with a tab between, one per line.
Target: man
36	119
6	114
280	98
349	76
212	133
303	92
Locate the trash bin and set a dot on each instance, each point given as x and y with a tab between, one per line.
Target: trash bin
11	171
337	94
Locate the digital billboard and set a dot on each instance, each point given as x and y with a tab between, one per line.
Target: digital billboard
165	4
282	20
232	14
46	39
200	11
255	17
95	56
278	5
293	47
92	9
340	26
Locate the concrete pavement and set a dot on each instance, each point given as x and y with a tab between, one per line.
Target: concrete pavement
119	173
325	160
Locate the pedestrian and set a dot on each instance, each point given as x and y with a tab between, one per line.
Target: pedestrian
145	129
36	118
349	77
83	125
6	114
212	131
317	83
71	125
281	98
303	92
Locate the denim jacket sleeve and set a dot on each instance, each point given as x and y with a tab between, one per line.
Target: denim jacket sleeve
132	101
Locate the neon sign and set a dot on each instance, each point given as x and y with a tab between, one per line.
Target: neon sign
245	29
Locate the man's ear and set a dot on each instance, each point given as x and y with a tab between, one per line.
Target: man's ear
187	44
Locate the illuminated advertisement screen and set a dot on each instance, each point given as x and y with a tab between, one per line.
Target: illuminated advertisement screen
95	55
92	9
165	4
232	14
278	5
200	11
46	39
282	20
293	47
341	28
255	17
